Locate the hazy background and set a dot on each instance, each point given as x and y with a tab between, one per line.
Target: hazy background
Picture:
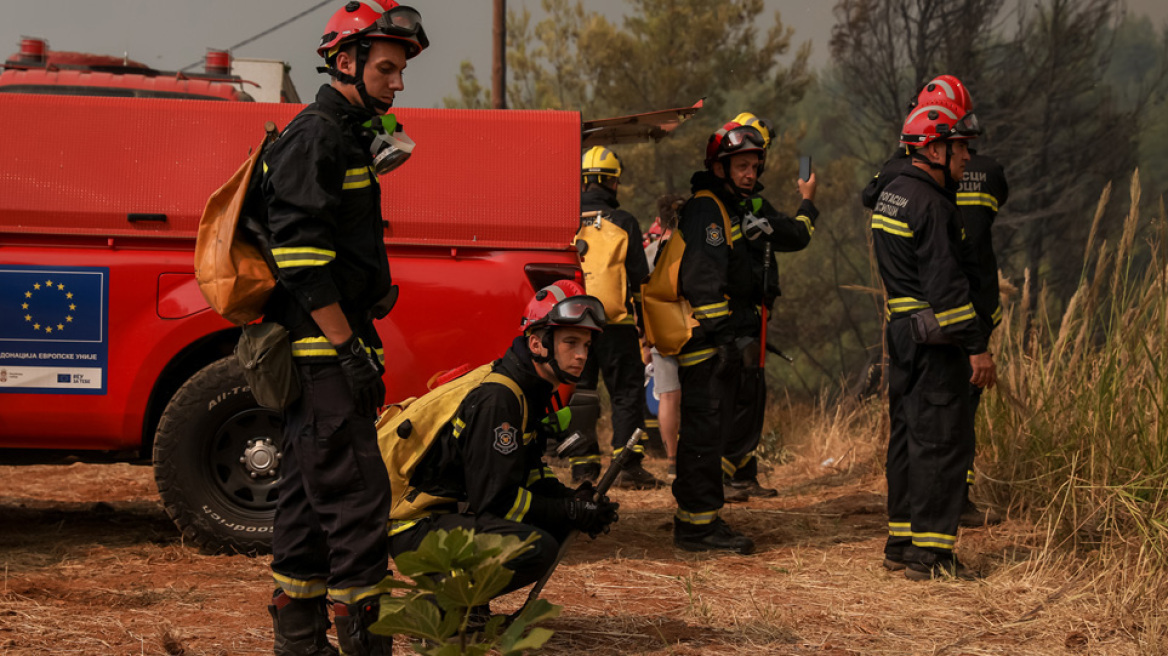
169	34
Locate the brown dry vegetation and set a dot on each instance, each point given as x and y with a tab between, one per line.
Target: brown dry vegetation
92	565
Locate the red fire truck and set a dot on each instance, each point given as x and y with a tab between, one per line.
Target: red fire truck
107	347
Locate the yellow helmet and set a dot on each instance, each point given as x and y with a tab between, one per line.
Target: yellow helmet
598	163
760	124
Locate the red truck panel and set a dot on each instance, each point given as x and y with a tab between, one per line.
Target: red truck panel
480	178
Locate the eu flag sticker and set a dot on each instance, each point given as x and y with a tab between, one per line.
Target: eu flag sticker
53	329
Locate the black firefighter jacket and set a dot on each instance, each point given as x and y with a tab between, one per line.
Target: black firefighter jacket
721	275
324	218
486	458
916	233
636	265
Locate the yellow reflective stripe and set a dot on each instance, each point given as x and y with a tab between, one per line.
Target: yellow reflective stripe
713	310
520	507
638	448
956	315
302	256
975	198
313	346
584	460
906	304
695	357
528	437
300	588
996	318
900	529
969	476
357	178
533	476
935	540
353	595
735	233
652	423
728	467
696	518
806	221
891	226
459	425
400	526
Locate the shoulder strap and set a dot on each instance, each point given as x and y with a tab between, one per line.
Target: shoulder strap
496	377
706	193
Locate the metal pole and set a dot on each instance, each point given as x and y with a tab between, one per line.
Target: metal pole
499	68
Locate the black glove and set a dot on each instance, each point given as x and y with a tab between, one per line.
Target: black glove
363	376
585	492
591	517
727	357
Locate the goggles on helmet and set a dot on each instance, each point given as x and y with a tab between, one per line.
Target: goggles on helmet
575	310
741	138
390	147
402	21
968	126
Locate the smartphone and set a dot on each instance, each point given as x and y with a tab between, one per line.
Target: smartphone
805	167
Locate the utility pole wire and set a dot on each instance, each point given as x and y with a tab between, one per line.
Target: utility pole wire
268	31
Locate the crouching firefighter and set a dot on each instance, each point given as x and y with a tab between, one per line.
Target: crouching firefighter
479	464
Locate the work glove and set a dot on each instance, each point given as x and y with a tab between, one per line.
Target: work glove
363	376
727	358
591	517
586	492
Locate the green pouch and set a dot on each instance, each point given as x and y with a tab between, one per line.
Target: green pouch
265	354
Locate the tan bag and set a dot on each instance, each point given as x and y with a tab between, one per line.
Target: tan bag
669	320
603	246
229	267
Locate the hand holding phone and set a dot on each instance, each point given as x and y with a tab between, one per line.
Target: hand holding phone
806	180
805	167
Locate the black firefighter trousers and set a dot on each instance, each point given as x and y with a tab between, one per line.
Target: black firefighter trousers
333	507
930	447
739	462
707	421
616	354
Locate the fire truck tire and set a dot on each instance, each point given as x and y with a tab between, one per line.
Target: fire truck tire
217	462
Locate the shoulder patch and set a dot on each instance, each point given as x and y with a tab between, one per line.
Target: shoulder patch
505	439
715	234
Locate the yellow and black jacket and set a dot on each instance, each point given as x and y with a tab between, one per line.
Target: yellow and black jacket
324	220
982	192
485	458
917	236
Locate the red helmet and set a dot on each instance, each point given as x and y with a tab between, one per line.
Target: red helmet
942	110
733	139
563	303
380	19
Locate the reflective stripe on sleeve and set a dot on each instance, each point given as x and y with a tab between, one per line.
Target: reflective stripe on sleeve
891	226
712	311
357	178
956	315
520	507
287	258
975	198
806	221
695	357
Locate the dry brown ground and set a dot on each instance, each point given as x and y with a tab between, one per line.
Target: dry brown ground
92	565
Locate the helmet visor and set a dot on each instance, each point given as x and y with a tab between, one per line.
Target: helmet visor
968	126
576	310
404	22
742	138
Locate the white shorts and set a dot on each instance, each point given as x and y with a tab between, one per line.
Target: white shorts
665	378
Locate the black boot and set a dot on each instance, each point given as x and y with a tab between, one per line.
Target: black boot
300	626
353	634
717	537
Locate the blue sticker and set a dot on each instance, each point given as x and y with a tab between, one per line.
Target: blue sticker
54	335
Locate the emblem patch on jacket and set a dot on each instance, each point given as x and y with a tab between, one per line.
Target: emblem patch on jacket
505	439
715	235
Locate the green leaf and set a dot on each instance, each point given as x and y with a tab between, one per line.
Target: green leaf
533	640
537	611
416	617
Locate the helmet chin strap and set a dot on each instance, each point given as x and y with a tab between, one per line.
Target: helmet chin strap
946	172
548	341
725	179
358	80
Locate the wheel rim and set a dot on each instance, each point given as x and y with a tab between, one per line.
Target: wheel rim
245	459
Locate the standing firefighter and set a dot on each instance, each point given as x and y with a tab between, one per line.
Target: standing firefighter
767	231
719	280
324	202
488	456
616	353
937	345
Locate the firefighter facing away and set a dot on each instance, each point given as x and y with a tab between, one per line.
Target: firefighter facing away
488	458
937	344
616	353
326	236
718	278
983	191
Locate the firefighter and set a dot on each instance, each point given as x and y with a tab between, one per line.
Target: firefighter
326	238
937	344
982	192
767	231
489	460
718	280
616	353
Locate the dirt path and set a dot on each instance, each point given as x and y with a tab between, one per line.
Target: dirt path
92	565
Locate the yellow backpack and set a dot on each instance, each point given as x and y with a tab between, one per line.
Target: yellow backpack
406	431
603	246
669	320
